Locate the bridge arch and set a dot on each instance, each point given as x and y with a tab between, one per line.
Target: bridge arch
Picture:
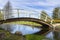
39	21
45	25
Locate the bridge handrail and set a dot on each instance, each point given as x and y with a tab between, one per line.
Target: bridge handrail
44	15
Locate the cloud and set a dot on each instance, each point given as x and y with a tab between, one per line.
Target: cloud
33	5
2	3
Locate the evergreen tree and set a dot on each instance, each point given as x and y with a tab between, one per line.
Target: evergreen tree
1	15
56	13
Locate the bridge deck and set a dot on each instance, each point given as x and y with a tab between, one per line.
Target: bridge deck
56	21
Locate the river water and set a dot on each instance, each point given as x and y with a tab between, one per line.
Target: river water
24	29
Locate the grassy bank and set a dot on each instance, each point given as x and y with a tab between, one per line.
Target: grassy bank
36	37
5	35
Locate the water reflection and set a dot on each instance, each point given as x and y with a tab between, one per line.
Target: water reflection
24	29
50	35
54	35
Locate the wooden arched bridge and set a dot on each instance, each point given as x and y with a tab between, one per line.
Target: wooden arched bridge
41	18
45	25
39	21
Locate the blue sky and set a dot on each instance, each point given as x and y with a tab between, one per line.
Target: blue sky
37	5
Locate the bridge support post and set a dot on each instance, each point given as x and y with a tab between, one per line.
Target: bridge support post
18	12
40	15
45	19
51	21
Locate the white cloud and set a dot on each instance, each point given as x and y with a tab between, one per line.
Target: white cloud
2	3
24	4
47	3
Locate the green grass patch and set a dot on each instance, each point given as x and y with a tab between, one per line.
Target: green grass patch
36	37
5	35
25	23
8	36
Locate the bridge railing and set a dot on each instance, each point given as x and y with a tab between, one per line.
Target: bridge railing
17	13
46	18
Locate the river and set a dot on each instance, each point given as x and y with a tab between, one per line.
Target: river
24	29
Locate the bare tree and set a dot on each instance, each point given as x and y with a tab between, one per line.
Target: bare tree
7	10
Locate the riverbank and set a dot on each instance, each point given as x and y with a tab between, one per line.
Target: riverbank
6	35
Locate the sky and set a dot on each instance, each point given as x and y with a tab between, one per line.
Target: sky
34	5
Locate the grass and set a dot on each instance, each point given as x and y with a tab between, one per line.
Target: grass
36	37
8	36
25	23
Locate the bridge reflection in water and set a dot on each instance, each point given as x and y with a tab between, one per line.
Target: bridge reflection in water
54	35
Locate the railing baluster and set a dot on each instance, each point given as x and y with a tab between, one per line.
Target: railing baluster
41	16
51	21
18	12
45	18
